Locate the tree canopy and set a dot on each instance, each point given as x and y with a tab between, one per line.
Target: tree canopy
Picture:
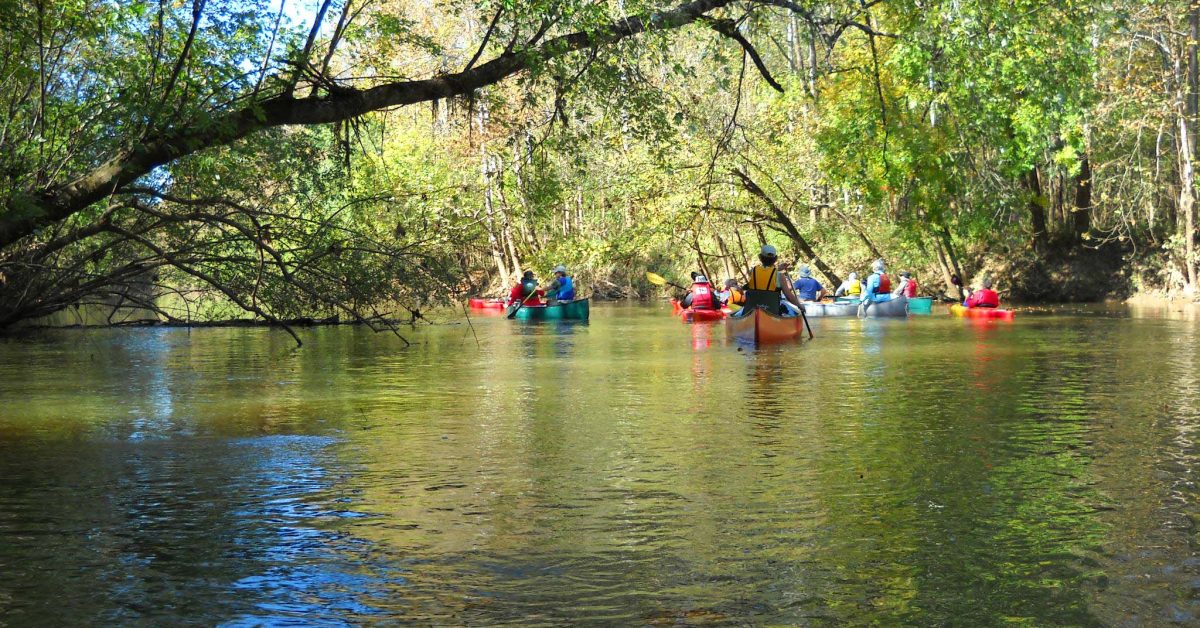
196	156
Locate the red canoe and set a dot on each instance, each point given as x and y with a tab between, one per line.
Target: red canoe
760	327
691	315
981	312
485	304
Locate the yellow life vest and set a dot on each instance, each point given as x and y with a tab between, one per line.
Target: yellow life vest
855	288
764	278
736	297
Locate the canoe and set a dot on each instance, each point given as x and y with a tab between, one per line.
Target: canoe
897	307
920	305
760	327
476	303
981	312
692	315
571	310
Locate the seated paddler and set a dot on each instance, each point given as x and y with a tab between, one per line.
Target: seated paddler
770	287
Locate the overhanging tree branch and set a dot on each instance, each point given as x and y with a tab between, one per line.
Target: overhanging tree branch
26	212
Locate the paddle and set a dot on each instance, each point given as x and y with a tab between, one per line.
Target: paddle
806	326
659	280
521	303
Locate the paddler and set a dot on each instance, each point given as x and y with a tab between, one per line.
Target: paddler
562	288
807	288
731	297
770	286
527	288
852	287
984	296
878	288
701	296
908	286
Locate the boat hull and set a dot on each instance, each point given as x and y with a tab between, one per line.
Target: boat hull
982	312
691	315
920	305
760	327
476	303
895	308
576	310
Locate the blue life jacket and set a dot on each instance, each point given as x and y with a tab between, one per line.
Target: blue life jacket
566	289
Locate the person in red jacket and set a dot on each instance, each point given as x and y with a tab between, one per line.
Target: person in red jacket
908	285
983	297
526	287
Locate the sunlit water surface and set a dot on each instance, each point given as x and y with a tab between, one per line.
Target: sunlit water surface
629	470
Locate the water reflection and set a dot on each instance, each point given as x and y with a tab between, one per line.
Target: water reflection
633	470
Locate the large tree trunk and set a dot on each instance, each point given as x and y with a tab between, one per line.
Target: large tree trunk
1037	209
1188	198
1081	215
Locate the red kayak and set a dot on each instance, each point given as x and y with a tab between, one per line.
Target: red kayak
981	312
485	304
691	315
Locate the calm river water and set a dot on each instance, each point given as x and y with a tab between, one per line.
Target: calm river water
630	470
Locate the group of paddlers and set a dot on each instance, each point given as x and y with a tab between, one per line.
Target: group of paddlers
562	288
769	284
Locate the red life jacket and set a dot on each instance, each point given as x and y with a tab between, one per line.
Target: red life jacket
983	297
910	288
703	297
885	284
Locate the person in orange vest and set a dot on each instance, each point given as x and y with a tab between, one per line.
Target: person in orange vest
731	297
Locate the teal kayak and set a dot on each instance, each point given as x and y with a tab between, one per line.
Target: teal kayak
571	310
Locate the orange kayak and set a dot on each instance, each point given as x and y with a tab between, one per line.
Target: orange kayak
761	327
981	312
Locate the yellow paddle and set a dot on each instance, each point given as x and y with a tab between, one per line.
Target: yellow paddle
659	280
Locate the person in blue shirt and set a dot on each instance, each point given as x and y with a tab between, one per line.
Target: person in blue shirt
807	288
878	288
562	288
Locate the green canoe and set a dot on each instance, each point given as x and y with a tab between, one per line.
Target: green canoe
571	310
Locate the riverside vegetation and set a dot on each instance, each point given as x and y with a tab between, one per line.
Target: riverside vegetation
205	159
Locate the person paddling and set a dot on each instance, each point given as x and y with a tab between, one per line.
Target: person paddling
767	284
852	287
731	297
983	297
908	286
807	288
878	288
701	296
526	288
562	288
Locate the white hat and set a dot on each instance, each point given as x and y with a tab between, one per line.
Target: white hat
700	279
767	249
805	271
853	276
560	269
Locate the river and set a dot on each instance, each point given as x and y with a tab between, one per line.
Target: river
630	470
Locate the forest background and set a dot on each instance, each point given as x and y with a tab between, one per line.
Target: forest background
366	159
